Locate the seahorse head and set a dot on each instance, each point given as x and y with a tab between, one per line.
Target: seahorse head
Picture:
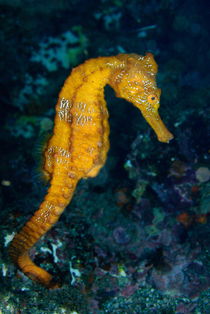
135	81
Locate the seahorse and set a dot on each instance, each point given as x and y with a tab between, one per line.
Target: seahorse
79	144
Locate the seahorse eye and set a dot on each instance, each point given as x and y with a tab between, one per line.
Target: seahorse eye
152	99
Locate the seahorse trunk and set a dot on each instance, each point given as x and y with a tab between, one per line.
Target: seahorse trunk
43	219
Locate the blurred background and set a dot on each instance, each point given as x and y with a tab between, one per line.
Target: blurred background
135	239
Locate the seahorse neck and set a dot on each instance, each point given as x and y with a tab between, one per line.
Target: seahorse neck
93	75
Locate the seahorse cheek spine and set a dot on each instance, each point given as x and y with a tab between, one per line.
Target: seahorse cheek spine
79	144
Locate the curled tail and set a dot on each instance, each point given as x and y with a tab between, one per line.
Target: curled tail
57	198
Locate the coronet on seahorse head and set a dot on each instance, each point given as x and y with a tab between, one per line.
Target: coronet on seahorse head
135	81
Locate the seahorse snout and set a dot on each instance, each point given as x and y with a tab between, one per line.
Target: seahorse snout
158	126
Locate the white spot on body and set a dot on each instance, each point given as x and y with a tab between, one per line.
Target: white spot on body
44	213
58	152
64	110
82	119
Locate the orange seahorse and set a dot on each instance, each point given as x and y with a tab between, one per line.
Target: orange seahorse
79	144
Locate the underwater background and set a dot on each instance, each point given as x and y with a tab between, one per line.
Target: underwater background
134	239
